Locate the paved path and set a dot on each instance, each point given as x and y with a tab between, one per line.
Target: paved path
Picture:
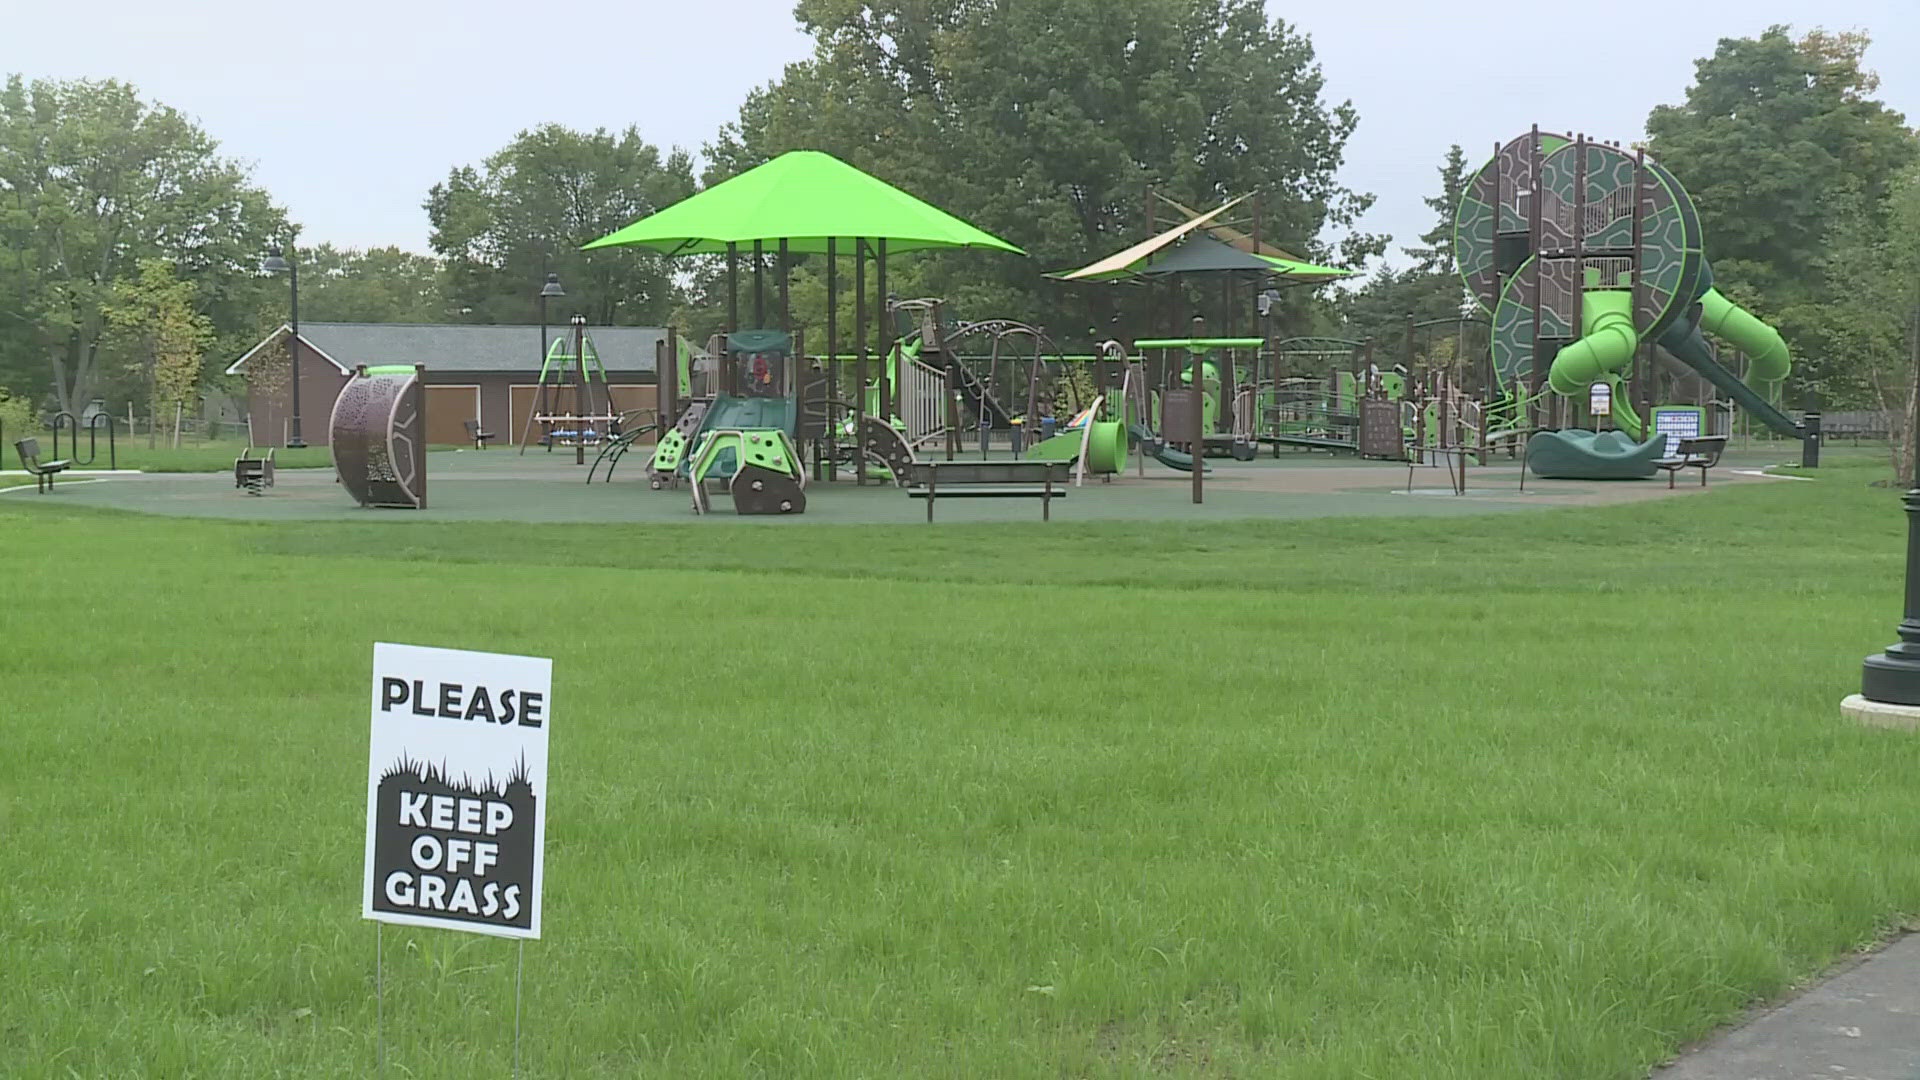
1862	1024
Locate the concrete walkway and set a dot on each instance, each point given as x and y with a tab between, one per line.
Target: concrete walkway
1862	1024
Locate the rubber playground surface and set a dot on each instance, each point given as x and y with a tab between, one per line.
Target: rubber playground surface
503	485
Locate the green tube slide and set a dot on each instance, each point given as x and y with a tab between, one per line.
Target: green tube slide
1603	355
1606	350
1766	351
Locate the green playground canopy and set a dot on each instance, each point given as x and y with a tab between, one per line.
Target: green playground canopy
806	198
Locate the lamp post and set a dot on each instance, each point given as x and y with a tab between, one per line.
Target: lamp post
1893	677
548	291
275	263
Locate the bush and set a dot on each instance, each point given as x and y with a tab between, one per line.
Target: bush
18	417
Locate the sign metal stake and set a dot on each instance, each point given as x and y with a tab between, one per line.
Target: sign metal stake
519	967
379	1003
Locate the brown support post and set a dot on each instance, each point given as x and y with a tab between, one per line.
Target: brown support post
1580	254
786	309
953	408
1641	376
725	360
1199	445
859	359
829	432
583	395
759	288
889	375
1533	243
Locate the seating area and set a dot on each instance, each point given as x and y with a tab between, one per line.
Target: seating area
932	480
43	472
1701	453
480	438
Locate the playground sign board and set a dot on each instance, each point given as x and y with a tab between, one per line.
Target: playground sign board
1678	422
457	790
1600	399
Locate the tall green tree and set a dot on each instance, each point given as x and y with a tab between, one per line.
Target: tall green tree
94	181
1434	255
1428	291
1046	123
378	285
153	323
525	212
1776	137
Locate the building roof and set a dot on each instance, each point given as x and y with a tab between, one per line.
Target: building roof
459	347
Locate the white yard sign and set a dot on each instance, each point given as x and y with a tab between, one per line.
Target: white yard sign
1600	399
457	789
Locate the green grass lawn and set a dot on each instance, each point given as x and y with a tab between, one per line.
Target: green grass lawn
1541	794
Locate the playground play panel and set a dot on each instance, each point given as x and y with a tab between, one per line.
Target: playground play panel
493	486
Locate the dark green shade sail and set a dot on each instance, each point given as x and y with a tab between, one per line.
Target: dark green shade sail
806	198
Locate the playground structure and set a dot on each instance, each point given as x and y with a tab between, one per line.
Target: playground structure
1588	260
571	371
379	442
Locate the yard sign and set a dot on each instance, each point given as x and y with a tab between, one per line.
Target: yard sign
457	789
1600	399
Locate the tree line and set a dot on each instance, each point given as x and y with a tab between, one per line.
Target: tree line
130	246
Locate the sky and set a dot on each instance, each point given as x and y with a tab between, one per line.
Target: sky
348	112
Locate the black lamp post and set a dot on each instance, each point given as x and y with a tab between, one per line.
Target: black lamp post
548	291
1893	677
275	263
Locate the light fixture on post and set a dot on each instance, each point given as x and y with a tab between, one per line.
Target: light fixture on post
276	263
550	290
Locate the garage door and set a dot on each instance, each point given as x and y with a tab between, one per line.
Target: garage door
448	410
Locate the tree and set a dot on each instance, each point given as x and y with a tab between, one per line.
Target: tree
527	210
151	319
1775	136
94	180
1045	123
1427	291
1436	253
378	285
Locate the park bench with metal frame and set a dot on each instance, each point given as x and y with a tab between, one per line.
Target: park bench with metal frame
933	480
43	471
480	438
1701	453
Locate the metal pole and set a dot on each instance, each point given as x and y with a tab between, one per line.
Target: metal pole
859	359
786	309
759	288
831	432
1533	242
519	968
725	358
294	439
544	410
1199	444
379	1002
1893	676
583	390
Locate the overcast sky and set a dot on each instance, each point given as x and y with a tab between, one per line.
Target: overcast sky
348	111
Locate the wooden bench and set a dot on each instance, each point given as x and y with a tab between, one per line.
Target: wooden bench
480	438
990	480
1701	453
253	474
43	471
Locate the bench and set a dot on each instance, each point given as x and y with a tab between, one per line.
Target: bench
253	474
43	471
933	480
1700	453
480	438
